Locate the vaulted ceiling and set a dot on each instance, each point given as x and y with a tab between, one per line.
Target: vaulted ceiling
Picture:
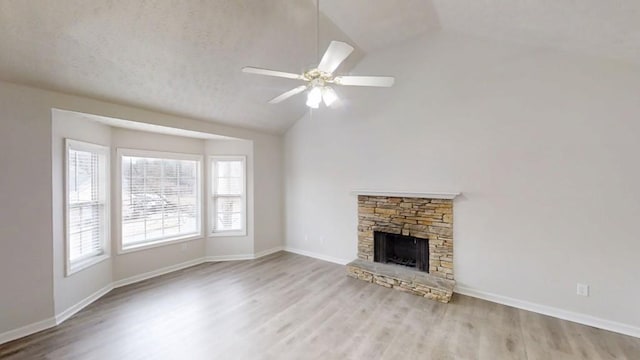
184	57
609	28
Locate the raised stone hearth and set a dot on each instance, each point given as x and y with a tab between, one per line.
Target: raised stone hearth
418	217
402	278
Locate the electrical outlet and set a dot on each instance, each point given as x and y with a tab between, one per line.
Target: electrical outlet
306	238
322	240
184	246
582	289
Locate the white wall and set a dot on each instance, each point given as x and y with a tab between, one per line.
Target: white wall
68	291
27	215
543	145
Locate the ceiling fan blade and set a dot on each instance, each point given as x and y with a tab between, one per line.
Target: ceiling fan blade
288	94
380	81
334	56
267	72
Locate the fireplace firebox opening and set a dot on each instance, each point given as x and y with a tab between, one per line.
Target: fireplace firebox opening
401	250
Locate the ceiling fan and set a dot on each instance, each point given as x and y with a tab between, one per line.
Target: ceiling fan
320	79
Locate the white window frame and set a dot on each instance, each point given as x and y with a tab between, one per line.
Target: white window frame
73	267
211	197
158	155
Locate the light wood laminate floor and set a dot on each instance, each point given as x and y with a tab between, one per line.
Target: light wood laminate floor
287	306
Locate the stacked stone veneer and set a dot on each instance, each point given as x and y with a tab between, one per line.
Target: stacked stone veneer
430	219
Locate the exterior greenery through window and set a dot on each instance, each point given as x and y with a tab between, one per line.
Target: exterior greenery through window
87	210
228	190
160	197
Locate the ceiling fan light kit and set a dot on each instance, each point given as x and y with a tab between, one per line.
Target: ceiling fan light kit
329	95
314	97
320	79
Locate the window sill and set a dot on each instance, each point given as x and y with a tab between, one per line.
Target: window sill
84	264
165	242
228	234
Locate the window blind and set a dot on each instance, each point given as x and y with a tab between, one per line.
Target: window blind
160	199
86	201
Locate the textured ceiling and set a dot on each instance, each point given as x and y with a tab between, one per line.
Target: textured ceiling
180	57
184	57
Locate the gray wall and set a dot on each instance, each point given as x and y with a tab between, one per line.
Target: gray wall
27	237
234	245
70	290
26	246
142	261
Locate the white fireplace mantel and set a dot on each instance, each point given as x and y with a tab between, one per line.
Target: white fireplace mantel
427	195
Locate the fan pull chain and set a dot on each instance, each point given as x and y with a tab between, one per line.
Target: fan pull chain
318	31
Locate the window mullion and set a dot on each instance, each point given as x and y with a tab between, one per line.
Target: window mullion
179	196
144	200
161	184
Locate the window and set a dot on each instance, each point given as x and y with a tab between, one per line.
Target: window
87	210
228	202
160	198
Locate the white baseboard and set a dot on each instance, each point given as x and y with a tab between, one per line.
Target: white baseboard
237	257
552	311
317	256
56	320
27	330
72	310
520	304
151	274
216	258
264	253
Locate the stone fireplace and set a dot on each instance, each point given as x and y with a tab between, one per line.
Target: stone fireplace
405	241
